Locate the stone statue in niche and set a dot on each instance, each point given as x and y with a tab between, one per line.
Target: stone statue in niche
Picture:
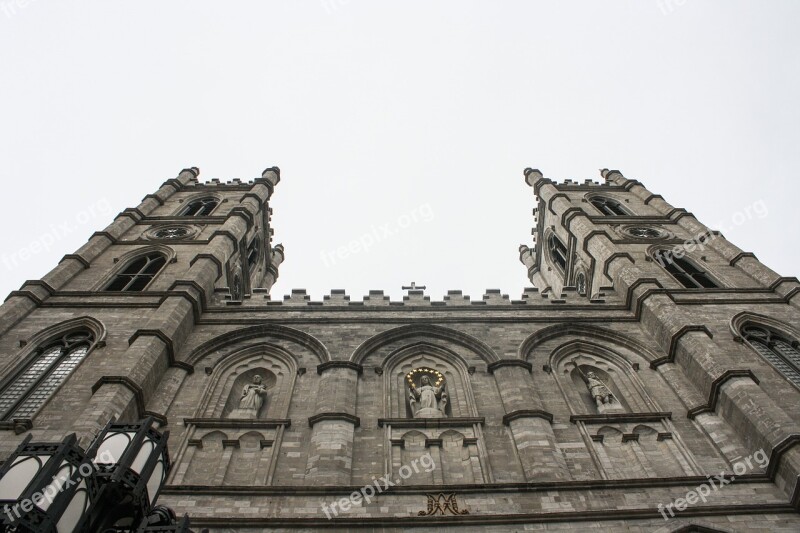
601	394
236	289
253	397
427	400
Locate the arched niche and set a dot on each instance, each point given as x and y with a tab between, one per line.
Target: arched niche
408	334
277	369
608	376
537	344
573	361
412	451
248	462
301	344
265	377
399	364
203	466
455	459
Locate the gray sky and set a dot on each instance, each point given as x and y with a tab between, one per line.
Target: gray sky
416	115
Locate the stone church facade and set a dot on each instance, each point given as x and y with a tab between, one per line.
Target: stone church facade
648	380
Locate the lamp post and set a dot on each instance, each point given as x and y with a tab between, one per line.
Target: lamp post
44	487
112	487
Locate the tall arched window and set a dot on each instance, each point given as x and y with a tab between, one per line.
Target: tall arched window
138	274
779	351
200	207
253	252
32	386
608	206
685	272
558	252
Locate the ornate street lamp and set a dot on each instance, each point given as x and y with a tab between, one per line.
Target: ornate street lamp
59	488
44	487
132	464
163	520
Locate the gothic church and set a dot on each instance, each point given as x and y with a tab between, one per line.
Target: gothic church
647	380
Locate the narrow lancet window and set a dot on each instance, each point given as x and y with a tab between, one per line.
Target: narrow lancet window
558	252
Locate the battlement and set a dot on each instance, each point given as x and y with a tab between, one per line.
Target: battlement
272	174
530	297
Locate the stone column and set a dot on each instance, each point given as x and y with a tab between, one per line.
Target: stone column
720	375
330	454
529	423
276	258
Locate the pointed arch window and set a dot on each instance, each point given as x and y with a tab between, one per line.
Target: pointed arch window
34	384
609	207
779	351
253	252
138	273
200	208
685	272
558	252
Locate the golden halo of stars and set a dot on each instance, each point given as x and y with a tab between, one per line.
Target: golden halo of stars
424	371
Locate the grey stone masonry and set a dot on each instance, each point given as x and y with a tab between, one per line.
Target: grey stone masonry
619	392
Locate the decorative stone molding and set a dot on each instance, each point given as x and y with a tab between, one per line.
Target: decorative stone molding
167	342
620	417
237	423
340	364
431	422
346	417
138	395
673	343
716	387
527	413
491	367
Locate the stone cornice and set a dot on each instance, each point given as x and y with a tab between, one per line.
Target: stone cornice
169	346
431	422
344	417
481	488
238	423
742	255
491	367
76	257
716	386
527	413
673	343
476	520
138	395
211	257
327	365
605	418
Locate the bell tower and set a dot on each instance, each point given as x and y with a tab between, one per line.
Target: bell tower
589	236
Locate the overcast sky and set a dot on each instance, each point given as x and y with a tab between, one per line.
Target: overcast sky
412	117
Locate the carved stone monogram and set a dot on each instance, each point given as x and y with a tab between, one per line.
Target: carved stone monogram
429	398
443	504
